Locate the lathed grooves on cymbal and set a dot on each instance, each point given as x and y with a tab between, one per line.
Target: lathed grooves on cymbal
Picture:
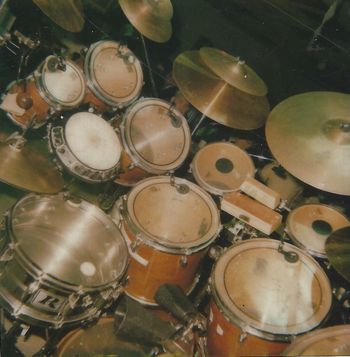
338	251
28	169
68	14
215	98
233	71
150	17
309	135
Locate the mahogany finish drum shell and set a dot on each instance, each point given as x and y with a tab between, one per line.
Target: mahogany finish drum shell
168	223
261	298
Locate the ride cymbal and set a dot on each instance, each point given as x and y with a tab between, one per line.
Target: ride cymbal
309	135
233	71
338	251
215	98
68	14
150	17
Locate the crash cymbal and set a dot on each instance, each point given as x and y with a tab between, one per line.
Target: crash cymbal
310	225
216	98
68	14
233	71
150	17
338	251
309	135
28	169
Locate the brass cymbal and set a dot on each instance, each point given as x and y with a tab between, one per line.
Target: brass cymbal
234	71
338	251
28	169
150	17
215	98
68	14
309	135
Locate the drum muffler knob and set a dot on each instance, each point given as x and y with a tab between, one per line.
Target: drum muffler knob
24	101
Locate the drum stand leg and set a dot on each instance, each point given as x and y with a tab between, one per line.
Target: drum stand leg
153	84
50	346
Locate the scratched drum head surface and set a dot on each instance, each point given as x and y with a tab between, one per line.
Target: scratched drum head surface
70	240
330	341
266	295
67	87
93	141
156	135
309	226
180	216
222	167
113	72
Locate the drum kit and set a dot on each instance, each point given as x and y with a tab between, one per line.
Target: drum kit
150	272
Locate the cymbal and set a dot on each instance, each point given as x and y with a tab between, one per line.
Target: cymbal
68	14
338	251
150	17
28	169
309	135
234	71
215	98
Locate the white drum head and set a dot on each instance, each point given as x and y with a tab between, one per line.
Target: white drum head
260	291
67	88
221	167
310	225
114	73
157	136
174	216
93	141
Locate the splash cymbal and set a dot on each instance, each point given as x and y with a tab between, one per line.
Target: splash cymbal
309	135
28	169
233	71
216	98
68	14
150	17
338	251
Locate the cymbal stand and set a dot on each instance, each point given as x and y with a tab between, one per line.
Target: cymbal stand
153	84
203	116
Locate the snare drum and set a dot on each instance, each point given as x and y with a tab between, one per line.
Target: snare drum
50	89
62	261
309	226
168	224
221	167
330	341
113	74
262	297
156	139
87	146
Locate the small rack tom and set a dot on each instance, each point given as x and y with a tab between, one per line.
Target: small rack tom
262	297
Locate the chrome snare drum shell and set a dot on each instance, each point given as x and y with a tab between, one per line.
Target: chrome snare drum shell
62	261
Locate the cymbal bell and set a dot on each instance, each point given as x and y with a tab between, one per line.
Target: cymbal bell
150	17
27	169
233	70
216	98
309	135
338	251
68	14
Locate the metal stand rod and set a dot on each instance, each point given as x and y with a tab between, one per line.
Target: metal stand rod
198	124
153	84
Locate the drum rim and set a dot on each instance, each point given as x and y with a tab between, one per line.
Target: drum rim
166	246
39	75
296	241
130	149
96	89
255	330
50	279
212	189
300	343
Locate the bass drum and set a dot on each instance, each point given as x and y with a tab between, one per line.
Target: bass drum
113	74
156	140
98	340
263	295
49	89
62	261
168	224
330	341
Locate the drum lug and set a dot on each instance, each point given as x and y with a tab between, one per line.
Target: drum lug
87	301
215	252
184	261
242	336
135	244
131	166
73	299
